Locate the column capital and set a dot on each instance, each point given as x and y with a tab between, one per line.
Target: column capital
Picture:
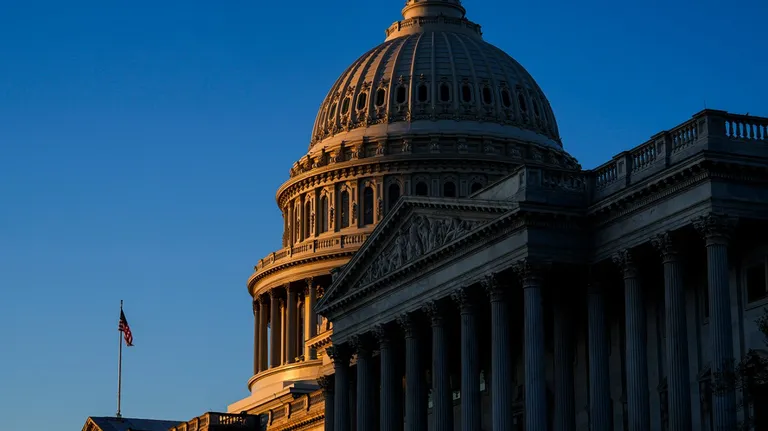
383	333
326	384
409	323
463	297
362	344
256	304
308	283
492	286
320	292
625	260
435	310
715	228
666	246
530	273
339	353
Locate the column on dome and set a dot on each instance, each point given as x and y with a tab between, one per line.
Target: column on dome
716	230
638	404
340	354
256	333
276	333
326	385
536	418
263	339
390	417
291	330
565	410
283	328
415	393
501	355
679	396
442	396
599	383
310	318
363	348
470	360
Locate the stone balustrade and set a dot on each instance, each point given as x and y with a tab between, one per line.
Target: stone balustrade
213	421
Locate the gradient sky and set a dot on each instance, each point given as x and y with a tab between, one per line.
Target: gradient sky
141	145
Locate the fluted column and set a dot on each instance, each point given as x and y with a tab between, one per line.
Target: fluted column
501	355
716	230
310	318
363	347
415	394
326	384
291	330
263	323
599	383
470	361
256	334
276	333
340	354
535	374
442	396
565	411
678	383
638	406
391	385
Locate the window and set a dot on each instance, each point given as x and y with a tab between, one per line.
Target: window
756	282
449	189
367	206
344	209
361	99
381	97
421	189
393	195
333	110
445	92
400	95
521	101
307	219
505	99
323	214
297	223
487	97
476	187
466	93
423	95
345	106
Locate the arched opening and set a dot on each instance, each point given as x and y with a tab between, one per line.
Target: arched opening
381	97
345	106
487	97
449	189
333	110
368	206
445	92
361	99
393	194
466	93
308	219
400	94
476	187
421	189
423	95
505	99
521	102
323	214
344	209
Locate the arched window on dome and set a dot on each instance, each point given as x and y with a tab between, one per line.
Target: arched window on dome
487	96
362	98
506	100
297	222
323	214
466	93
421	189
345	106
344	209
400	95
393	194
307	218
445	92
476	187
333	110
536	109
449	189
422	93
381	97
368	206
521	102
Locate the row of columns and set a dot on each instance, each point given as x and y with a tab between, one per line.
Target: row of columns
715	230
272	310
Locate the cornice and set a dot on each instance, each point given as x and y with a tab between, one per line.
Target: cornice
256	276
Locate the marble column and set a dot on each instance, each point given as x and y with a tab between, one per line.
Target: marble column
362	345
716	230
599	382
535	373
442	396
678	383
263	324
326	384
291	330
390	416
310	318
501	355
470	360
340	354
256	334
276	333
565	410
638	406
415	393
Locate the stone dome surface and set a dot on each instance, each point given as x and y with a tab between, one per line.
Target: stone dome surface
435	73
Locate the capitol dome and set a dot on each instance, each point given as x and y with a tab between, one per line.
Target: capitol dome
434	72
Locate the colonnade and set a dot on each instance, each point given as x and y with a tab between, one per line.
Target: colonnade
536	415
279	309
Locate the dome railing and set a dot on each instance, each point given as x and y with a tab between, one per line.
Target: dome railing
320	245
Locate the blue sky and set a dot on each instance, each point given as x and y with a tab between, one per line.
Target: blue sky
141	145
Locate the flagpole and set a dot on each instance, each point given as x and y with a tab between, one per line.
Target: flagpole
120	363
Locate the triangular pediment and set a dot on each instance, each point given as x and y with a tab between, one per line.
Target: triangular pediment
411	233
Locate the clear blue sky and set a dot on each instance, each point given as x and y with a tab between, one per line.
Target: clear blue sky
141	144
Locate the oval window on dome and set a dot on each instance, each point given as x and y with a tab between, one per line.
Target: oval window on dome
466	93
487	97
422	93
381	97
521	101
505	99
535	109
333	110
345	106
400	95
361	99
445	92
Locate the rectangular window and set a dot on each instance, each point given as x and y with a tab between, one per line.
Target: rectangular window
757	288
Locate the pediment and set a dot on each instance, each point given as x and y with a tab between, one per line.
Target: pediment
412	232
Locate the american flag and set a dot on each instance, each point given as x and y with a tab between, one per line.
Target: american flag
125	329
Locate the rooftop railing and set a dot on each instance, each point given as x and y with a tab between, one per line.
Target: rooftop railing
220	421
